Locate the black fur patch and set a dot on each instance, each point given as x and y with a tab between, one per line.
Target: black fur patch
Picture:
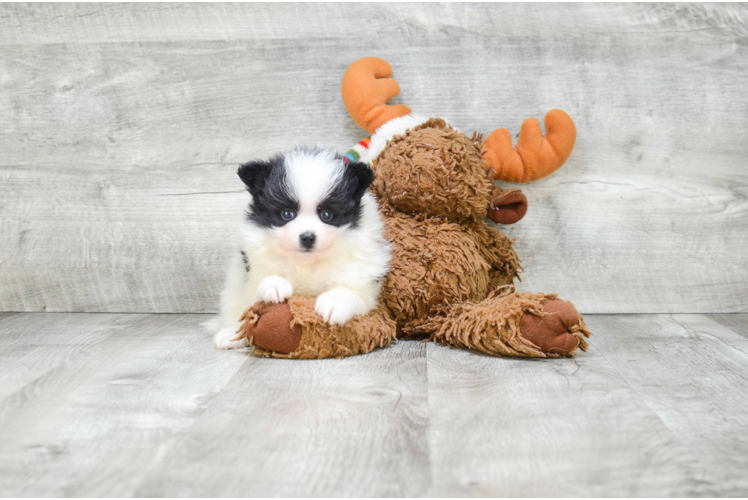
265	181
344	201
246	260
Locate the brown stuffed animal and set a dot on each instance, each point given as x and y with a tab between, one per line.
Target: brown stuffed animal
451	273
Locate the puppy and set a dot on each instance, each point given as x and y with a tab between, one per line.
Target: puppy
311	228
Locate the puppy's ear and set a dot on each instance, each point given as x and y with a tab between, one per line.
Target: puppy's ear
255	174
359	176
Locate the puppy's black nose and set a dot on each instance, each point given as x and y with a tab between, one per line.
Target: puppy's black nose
307	240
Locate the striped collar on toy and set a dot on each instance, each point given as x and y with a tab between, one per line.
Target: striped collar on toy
354	154
369	148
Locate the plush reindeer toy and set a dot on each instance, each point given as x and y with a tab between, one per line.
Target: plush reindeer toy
451	273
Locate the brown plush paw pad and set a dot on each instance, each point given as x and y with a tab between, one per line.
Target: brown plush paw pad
554	332
272	330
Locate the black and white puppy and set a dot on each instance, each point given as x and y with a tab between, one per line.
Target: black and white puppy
311	229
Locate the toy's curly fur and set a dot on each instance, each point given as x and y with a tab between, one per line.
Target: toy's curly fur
465	325
437	261
435	170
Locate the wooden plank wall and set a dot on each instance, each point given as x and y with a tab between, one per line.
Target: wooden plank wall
122	127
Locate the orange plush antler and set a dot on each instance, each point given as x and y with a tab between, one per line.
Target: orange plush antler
366	89
535	156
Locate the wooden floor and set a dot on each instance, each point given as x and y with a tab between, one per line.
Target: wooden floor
141	405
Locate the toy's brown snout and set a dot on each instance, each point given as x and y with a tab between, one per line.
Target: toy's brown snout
272	330
507	207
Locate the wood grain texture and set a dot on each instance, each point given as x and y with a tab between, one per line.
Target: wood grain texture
556	428
43	24
95	423
147	407
33	344
350	427
738	323
693	373
123	126
655	408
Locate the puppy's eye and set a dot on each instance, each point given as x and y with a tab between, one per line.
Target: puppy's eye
325	215
287	214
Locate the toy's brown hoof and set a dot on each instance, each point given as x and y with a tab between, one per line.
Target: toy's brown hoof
272	331
553	333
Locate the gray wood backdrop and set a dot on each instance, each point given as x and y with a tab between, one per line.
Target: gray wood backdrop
121	127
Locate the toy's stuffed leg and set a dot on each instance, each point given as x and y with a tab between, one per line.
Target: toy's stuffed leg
294	330
512	324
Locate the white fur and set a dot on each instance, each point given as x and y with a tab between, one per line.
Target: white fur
274	289
344	271
312	177
339	305
225	339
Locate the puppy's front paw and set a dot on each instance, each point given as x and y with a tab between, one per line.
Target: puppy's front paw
339	305
274	290
224	339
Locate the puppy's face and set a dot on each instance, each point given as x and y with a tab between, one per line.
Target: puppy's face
307	199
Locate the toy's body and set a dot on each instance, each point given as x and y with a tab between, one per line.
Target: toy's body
451	274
